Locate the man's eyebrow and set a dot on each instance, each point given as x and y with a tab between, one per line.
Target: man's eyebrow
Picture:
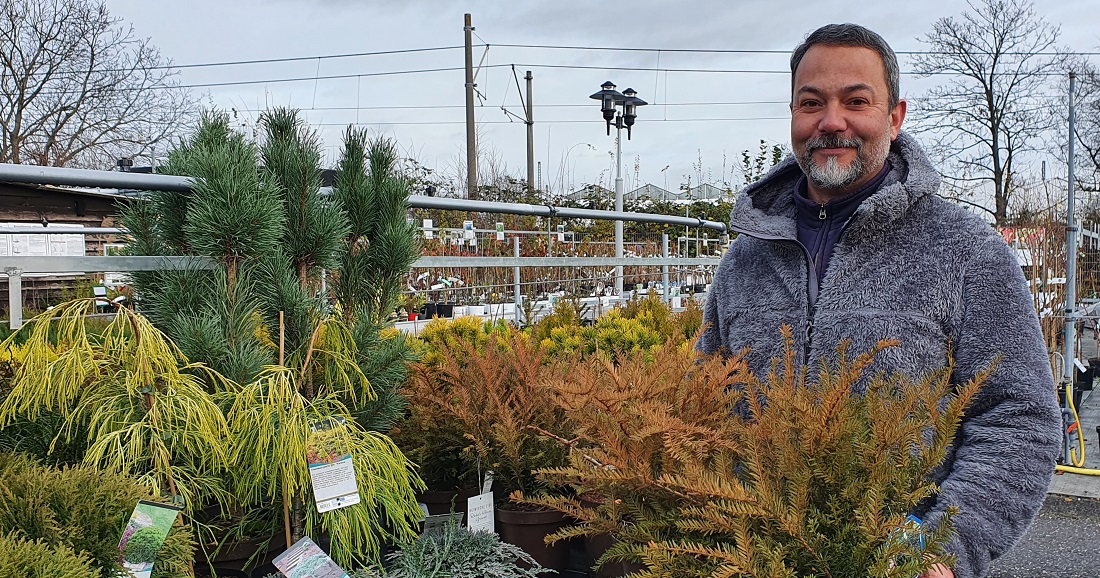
809	89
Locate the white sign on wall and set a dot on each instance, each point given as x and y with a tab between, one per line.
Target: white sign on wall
38	243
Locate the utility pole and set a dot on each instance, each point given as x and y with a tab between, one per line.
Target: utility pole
471	138
530	137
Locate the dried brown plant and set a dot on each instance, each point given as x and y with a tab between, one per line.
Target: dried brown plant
494	397
699	468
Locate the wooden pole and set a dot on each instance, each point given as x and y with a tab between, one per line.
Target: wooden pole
286	494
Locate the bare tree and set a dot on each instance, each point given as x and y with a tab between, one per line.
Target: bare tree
78	89
990	111
1087	126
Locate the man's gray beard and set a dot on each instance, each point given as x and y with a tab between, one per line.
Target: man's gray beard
832	176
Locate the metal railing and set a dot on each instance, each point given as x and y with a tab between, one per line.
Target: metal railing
16	267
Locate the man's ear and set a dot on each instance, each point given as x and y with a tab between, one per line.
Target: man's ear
897	116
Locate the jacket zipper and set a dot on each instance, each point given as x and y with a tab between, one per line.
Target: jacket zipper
812	283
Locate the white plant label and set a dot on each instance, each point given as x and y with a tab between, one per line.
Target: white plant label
330	467
479	513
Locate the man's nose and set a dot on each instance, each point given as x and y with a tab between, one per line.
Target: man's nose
832	119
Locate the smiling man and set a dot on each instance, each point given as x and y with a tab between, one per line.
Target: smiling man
847	240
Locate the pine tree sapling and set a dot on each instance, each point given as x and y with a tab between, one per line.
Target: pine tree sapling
257	211
699	468
382	245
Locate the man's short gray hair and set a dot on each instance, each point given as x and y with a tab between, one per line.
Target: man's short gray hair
857	36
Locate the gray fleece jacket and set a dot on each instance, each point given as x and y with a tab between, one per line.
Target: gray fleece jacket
912	267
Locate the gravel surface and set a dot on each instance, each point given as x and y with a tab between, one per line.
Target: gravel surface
1064	542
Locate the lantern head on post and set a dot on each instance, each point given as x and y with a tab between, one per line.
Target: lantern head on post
608	97
631	102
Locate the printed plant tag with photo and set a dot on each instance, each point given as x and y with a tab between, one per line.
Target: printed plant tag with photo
330	466
143	536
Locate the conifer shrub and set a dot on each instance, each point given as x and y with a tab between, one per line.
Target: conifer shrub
37	559
699	468
488	402
82	509
566	313
449	336
455	552
640	325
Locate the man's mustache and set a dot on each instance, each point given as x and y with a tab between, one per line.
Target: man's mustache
832	141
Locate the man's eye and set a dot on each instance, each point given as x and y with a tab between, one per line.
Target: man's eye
809	104
859	102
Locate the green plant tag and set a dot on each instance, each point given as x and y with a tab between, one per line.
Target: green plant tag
144	535
305	559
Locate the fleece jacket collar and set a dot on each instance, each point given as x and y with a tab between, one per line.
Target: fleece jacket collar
766	208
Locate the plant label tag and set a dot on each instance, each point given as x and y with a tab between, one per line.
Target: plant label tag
911	534
330	466
428	231
437	522
467	229
488	483
500	231
305	559
480	516
144	535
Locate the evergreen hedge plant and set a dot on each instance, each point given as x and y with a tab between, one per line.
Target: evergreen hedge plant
79	513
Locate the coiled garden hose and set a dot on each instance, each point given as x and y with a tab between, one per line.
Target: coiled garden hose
1075	458
1079	471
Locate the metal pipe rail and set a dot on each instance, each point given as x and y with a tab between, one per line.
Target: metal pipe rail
16	267
31	174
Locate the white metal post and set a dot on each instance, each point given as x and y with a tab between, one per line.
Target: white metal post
619	205
515	281
664	268
15	297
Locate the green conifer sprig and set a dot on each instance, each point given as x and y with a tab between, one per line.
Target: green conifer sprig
699	468
382	246
291	156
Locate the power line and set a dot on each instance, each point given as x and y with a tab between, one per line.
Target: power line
267	60
561	105
300	58
720	119
761	51
739	71
293	79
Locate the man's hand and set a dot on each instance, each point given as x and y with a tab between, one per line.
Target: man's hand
938	571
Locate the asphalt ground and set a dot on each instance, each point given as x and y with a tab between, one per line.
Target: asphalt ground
1064	542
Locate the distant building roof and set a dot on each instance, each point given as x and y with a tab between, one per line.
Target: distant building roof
650	191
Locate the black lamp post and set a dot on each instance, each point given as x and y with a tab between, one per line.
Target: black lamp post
610	101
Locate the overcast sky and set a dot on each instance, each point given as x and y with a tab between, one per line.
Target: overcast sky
570	140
